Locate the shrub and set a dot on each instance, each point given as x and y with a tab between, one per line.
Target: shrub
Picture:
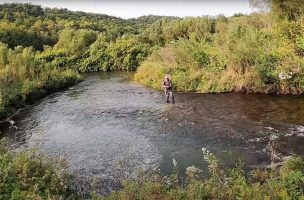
241	54
29	175
232	183
25	76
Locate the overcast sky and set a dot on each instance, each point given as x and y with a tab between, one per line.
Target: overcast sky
136	8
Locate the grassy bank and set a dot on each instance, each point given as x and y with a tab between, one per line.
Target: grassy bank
29	175
255	53
24	78
222	184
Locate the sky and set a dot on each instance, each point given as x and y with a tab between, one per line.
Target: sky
136	8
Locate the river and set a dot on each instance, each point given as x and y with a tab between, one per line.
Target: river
109	127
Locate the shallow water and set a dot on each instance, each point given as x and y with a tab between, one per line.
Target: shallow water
109	127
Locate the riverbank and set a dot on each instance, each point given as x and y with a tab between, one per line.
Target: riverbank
222	183
258	53
221	82
29	174
28	92
250	73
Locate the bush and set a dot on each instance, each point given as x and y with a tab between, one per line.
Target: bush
25	77
226	184
29	175
31	90
58	79
241	54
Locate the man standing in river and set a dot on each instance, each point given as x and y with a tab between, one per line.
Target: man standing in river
168	86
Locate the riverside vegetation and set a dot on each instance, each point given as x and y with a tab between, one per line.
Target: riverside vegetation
261	52
42	50
29	175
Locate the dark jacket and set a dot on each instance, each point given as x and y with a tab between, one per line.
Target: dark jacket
168	84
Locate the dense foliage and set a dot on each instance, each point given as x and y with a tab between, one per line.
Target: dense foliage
42	50
287	183
262	52
29	175
25	77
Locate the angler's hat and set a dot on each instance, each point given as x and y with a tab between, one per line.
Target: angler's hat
168	76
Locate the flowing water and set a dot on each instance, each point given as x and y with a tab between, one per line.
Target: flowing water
109	127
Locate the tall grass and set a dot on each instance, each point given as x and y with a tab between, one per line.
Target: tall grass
30	175
242	54
24	77
221	184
